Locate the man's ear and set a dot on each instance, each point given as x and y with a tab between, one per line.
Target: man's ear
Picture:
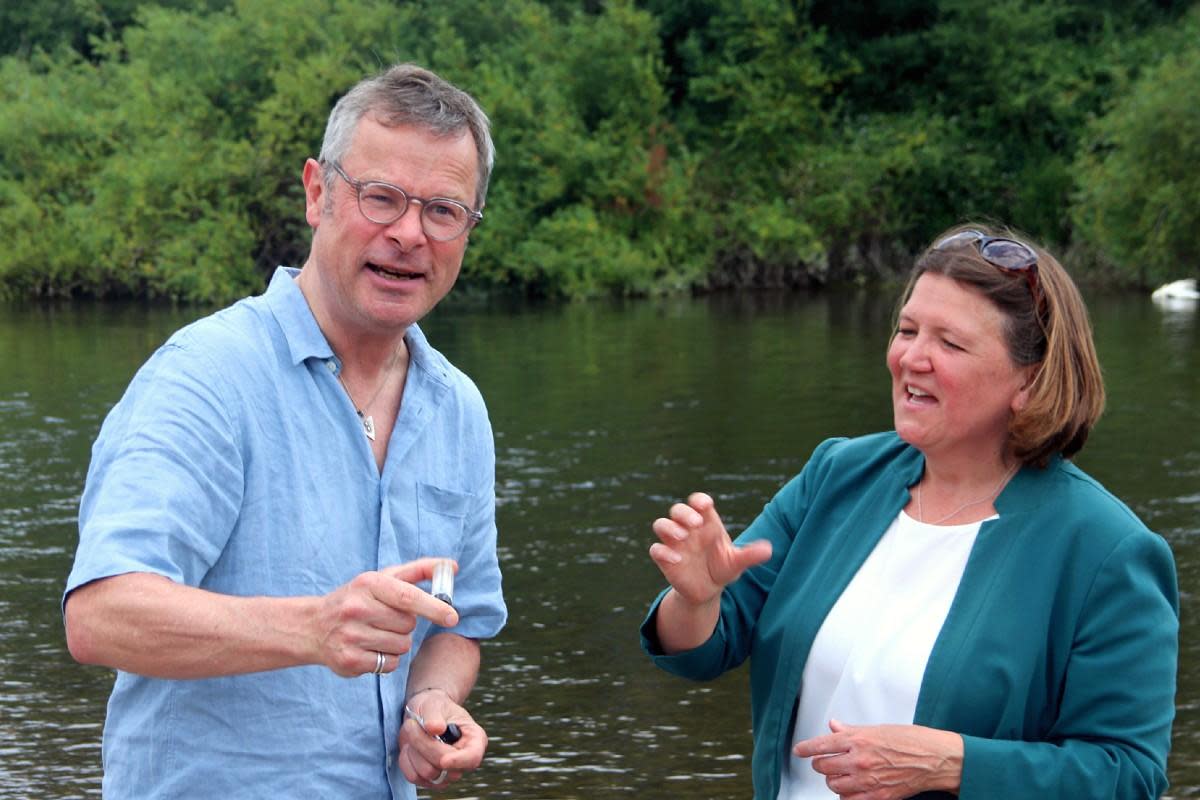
315	200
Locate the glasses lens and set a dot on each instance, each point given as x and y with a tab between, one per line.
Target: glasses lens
1008	254
381	203
444	219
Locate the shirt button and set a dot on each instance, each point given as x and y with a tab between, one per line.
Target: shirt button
332	365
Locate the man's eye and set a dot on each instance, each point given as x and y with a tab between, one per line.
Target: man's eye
381	196
444	210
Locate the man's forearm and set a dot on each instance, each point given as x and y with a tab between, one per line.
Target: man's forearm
448	662
150	625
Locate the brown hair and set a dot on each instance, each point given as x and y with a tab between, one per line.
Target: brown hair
1051	330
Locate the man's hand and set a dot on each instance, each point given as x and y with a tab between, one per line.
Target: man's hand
375	614
424	759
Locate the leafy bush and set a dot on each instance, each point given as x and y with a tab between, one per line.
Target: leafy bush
642	147
1138	176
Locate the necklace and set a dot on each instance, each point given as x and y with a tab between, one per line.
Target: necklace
368	421
990	496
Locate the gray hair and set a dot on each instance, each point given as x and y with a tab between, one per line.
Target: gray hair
406	94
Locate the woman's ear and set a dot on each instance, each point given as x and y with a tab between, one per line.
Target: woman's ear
1021	398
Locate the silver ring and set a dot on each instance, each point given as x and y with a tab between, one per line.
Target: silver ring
437	781
379	659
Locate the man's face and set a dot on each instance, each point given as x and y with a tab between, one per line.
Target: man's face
371	279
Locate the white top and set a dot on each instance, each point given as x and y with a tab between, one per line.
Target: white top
867	662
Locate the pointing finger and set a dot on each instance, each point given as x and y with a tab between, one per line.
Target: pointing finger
402	595
415	571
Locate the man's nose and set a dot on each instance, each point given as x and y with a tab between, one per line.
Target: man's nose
408	229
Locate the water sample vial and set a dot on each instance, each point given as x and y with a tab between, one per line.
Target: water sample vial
443	581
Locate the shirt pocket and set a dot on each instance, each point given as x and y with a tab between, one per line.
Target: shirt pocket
441	520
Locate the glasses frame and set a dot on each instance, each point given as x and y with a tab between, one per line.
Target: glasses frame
473	216
1027	265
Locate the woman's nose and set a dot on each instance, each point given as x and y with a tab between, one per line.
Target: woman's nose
915	355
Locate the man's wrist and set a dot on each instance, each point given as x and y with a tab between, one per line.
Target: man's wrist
424	689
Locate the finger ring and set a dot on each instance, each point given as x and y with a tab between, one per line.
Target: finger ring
436	781
379	660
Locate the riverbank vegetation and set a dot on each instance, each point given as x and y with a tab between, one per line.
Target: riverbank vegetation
154	149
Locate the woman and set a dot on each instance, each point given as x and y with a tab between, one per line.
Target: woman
952	608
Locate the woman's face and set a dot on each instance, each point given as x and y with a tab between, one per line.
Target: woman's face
954	386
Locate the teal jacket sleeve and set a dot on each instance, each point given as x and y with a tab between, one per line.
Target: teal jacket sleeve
1111	736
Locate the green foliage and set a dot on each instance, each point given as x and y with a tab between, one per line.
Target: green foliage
584	151
160	169
27	26
156	148
1138	178
1003	88
751	106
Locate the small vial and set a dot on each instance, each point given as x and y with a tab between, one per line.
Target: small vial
443	581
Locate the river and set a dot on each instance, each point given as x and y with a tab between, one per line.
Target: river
605	414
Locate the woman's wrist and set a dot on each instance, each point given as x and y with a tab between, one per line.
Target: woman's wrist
683	625
946	776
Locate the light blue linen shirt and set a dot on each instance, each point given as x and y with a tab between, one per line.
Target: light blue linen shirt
236	463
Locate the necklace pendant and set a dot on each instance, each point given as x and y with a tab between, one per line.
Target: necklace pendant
368	423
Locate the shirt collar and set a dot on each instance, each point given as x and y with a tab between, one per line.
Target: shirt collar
304	336
295	318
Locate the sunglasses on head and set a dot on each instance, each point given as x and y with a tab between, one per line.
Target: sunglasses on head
1009	255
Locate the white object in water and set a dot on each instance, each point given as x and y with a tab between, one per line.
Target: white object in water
1185	289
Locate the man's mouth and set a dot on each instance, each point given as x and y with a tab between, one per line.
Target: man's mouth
395	273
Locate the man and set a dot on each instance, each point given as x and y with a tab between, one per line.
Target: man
278	479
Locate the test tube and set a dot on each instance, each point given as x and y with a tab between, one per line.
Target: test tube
443	581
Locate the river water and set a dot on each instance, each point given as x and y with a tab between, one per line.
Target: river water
604	414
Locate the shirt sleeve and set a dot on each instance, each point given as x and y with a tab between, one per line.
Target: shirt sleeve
1112	734
478	593
478	597
165	481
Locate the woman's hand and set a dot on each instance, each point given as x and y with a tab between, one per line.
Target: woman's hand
885	762
695	553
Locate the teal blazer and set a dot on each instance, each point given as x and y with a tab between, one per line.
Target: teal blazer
1057	659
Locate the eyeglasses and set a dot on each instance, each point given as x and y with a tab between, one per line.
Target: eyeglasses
383	203
1006	254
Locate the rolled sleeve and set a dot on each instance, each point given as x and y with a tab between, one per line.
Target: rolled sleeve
165	482
701	663
478	597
